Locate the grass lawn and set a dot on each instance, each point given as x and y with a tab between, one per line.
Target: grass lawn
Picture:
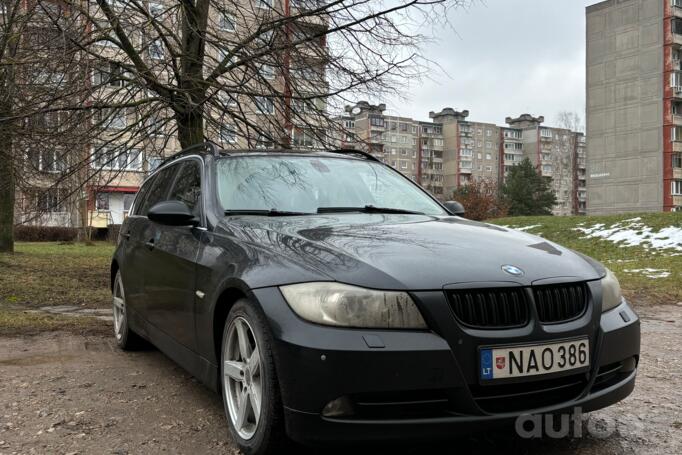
647	274
47	273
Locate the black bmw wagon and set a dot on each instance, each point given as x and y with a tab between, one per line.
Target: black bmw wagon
327	297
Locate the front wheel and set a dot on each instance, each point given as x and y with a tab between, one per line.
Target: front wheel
126	339
249	383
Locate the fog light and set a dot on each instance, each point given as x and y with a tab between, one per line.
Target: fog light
629	365
338	408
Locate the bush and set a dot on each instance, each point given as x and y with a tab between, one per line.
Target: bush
481	200
44	234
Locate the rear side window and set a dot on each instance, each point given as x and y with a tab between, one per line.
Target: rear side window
158	191
187	186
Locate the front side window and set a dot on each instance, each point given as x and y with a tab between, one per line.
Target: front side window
187	186
306	184
158	189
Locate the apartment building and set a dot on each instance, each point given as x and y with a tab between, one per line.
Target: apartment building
634	106
558	153
119	164
471	149
455	150
413	147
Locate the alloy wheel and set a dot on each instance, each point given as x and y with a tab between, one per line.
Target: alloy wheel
242	380
119	308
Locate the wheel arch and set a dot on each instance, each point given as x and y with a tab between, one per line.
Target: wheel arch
224	303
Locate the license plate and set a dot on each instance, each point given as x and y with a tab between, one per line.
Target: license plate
502	362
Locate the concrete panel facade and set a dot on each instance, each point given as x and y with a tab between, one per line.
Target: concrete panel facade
625	106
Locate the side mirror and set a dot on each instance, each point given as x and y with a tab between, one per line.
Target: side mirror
455	208
172	213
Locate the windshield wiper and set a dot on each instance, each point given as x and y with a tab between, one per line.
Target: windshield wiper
366	209
271	212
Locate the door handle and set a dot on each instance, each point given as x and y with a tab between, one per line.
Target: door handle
149	244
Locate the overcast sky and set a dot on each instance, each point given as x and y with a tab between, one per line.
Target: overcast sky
504	58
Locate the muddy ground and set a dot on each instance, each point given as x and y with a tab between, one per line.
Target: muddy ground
68	394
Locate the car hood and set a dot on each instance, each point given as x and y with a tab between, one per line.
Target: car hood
413	252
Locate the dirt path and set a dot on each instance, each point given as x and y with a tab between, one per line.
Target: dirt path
68	394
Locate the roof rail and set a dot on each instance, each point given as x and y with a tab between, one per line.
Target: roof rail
207	146
366	155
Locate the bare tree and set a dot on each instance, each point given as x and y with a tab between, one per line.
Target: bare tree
159	75
570	121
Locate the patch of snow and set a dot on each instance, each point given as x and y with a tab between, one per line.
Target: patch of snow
525	228
633	233
650	273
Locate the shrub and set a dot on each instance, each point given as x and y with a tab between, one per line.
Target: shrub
44	234
481	200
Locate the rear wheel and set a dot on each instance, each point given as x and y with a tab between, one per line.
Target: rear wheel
126	339
249	383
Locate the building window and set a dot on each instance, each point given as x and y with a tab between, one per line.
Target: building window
465	165
349	124
102	201
488	145
376	121
544	132
47	161
49	200
110	74
106	158
227	22
677	187
677	160
466	152
676	133
488	156
265	105
264	141
267	71
156	9
156	50
547	168
302	138
228	135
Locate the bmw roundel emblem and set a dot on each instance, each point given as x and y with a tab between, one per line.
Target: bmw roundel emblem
512	270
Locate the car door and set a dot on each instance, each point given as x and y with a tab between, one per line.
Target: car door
170	273
139	231
132	247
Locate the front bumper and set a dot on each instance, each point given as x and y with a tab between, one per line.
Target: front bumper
416	385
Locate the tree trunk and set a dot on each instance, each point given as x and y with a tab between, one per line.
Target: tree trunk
7	194
190	127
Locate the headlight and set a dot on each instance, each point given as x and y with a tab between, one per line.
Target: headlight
350	306
610	289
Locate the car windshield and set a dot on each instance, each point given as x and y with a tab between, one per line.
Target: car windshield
306	184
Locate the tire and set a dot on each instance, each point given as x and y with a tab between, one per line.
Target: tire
256	431
126	339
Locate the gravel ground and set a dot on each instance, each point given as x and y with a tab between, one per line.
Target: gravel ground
67	394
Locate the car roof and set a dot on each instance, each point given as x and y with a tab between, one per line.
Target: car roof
212	149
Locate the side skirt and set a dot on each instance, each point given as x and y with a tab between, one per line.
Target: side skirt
196	365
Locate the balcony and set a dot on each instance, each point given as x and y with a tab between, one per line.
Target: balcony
677	8
465	170
677	173
677	200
